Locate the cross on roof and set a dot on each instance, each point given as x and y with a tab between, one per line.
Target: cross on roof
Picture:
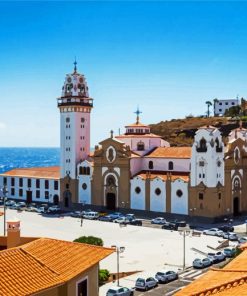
137	112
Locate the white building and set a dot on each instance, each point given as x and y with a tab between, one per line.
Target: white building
221	106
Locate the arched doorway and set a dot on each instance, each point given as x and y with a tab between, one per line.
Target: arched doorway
111	201
67	198
236	206
55	199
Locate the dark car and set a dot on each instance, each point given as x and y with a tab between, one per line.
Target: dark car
169	226
179	223
226	228
136	222
106	218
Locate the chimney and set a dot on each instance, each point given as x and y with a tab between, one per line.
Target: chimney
13	233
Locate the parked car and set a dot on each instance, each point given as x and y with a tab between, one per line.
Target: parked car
145	284
120	291
10	203
54	209
242	240
226	228
91	215
122	219
229	252
105	218
201	263
216	257
115	215
165	276
179	223
213	231
76	214
230	235
130	216
169	226
31	209
136	222
20	206
158	220
41	210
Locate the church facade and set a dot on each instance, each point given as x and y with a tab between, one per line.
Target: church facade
139	170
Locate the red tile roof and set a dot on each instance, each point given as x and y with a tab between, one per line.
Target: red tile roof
45	263
39	172
170	152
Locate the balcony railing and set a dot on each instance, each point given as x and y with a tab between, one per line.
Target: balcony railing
74	102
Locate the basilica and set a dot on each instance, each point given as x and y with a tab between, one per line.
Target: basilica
137	170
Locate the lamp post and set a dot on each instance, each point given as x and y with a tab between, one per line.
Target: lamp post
4	191
184	232
119	250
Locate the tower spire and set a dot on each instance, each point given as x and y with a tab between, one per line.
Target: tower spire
137	112
75	66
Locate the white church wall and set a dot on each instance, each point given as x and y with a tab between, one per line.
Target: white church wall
158	198
137	199
179	204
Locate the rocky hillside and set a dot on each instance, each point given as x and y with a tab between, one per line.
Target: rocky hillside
180	132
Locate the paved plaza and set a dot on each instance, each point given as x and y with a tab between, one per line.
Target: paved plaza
146	249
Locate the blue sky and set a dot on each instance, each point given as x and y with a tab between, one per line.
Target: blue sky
167	57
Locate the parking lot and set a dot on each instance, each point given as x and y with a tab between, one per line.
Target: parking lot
147	249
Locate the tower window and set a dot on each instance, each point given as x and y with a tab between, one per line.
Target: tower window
200	196
140	146
170	165
137	190
219	195
82	119
67	119
150	165
202	146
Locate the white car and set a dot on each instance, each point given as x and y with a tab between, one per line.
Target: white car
230	235
165	276
54	209
216	257
91	215
146	284
242	240
201	263
121	220
158	220
213	231
120	291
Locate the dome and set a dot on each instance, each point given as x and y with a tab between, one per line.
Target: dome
75	85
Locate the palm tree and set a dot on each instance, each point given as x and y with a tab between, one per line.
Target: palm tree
208	103
215	101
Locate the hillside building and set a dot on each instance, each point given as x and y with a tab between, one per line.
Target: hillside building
220	106
137	170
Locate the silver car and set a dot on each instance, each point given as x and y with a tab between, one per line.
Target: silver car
165	276
213	231
120	291
201	263
146	284
230	235
158	220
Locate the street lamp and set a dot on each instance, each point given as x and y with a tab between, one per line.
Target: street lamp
184	232
4	190
119	250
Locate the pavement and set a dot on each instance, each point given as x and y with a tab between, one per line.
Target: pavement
147	249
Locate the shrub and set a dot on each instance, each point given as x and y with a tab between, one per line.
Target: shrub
91	240
104	275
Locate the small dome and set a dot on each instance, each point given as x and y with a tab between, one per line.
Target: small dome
75	85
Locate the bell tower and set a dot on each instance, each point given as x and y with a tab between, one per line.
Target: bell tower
75	107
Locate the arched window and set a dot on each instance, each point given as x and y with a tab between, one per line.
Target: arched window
88	170
170	165
150	165
110	181
80	170
140	146
218	148
202	146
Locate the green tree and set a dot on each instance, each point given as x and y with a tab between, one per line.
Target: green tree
233	111
91	240
208	103
104	275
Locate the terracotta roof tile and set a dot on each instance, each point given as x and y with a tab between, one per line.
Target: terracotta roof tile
45	263
39	172
138	136
230	281
171	152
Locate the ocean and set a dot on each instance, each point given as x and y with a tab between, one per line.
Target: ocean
11	158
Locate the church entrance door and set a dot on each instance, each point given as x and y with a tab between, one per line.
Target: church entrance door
236	206
111	201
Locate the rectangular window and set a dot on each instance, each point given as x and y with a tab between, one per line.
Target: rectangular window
46	194
37	183
200	196
220	110
12	191
219	195
226	103
82	288
37	194
20	182
29	182
46	184
203	175
4	181
233	103
12	181
20	192
220	104
55	185
201	163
